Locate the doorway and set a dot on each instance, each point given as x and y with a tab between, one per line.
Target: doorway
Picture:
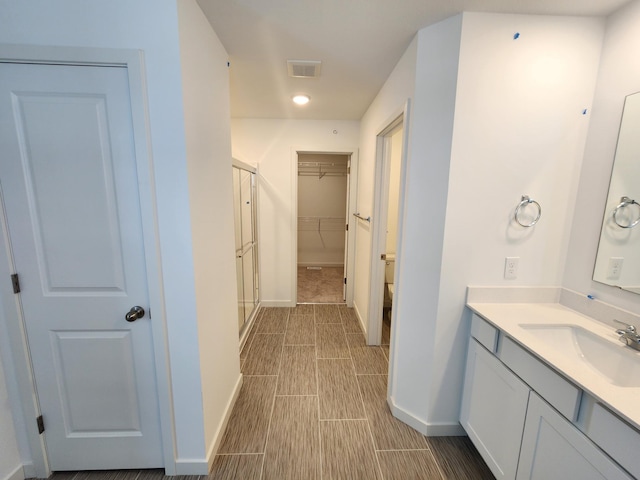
322	233
393	198
386	235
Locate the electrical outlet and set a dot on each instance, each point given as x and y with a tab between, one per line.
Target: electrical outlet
511	268
615	268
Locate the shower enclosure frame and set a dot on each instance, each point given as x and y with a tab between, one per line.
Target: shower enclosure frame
246	248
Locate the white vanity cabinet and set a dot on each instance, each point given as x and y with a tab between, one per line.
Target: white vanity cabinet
552	448
520	415
494	407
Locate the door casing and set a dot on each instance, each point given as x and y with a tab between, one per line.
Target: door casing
379	228
351	205
11	325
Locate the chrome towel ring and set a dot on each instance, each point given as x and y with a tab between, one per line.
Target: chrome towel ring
625	202
526	201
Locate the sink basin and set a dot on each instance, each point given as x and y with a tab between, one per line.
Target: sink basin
618	364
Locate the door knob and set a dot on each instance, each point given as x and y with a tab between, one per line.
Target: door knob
134	314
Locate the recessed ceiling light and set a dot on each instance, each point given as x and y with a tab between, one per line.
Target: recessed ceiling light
301	99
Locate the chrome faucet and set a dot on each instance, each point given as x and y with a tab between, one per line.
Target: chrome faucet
629	335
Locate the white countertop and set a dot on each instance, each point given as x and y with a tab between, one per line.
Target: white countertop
507	317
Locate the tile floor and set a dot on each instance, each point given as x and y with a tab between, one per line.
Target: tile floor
313	406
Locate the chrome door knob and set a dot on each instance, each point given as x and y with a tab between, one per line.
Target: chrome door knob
134	314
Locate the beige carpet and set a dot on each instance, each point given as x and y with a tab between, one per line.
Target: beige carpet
320	286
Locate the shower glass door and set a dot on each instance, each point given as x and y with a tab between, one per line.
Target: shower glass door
244	192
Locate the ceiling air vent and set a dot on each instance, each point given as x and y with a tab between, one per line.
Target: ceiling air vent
304	68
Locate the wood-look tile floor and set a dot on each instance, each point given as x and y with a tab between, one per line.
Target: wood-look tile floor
313	407
328	416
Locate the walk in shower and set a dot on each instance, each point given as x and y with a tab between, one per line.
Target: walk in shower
245	214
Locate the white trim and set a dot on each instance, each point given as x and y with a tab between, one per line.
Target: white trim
320	264
17	474
277	303
151	238
294	227
351	201
192	466
243	166
359	317
29	470
13	344
133	60
399	260
215	445
352	222
379	220
427	429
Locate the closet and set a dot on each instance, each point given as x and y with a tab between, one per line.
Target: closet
322	210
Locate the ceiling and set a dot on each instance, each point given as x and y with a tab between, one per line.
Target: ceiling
358	41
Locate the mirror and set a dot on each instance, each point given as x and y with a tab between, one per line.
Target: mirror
618	258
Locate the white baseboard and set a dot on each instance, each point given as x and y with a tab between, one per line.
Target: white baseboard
17	474
29	470
211	454
427	429
445	430
321	264
359	317
197	466
277	303
192	467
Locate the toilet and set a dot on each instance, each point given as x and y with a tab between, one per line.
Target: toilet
389	270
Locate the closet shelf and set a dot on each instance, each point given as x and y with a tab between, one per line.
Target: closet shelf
322	169
321	224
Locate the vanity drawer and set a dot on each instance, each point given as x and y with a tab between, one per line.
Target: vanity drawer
484	333
555	389
616	437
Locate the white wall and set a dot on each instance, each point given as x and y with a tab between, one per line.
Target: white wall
619	76
151	26
272	145
386	107
519	129
205	81
10	462
427	178
492	118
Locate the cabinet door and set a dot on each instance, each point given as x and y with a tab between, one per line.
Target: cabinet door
552	448
494	406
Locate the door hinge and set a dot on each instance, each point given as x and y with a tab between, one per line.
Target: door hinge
345	280
40	422
347	227
16	283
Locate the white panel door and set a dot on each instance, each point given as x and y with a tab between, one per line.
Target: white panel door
70	192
